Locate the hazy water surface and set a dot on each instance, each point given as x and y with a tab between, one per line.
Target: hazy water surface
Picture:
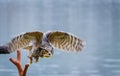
95	21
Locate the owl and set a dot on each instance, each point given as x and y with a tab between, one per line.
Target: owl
41	45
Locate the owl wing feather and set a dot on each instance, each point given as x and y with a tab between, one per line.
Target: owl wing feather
65	41
37	36
24	40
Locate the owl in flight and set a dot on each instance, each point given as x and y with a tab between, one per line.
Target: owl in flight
40	45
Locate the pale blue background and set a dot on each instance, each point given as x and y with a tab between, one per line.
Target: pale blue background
95	21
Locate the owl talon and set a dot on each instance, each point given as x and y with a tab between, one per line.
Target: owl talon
30	59
36	59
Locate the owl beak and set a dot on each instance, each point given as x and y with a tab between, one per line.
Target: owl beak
47	55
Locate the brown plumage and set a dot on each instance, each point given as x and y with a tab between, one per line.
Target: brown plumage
41	44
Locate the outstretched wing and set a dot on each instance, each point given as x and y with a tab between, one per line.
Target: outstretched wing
24	40
65	41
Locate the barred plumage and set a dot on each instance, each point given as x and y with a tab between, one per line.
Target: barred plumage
18	42
65	41
41	44
24	40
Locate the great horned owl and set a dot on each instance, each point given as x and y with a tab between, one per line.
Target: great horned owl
40	45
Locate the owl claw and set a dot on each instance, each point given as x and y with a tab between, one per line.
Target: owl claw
30	59
37	59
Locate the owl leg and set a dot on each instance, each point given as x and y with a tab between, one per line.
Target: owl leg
30	57
30	60
30	54
36	59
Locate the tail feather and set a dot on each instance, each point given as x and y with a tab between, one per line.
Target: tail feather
4	50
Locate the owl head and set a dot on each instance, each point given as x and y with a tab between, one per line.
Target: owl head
43	53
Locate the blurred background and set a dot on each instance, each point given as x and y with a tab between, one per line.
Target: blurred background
95	21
